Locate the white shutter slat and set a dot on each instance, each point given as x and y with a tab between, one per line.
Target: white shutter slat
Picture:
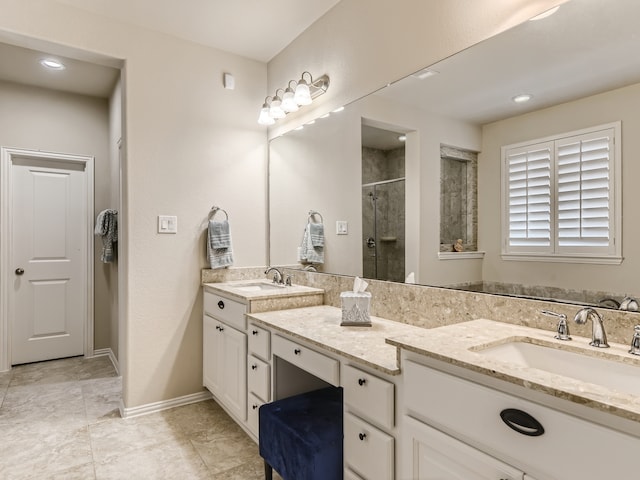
584	190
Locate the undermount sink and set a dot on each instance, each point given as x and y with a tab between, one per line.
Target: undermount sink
258	287
611	374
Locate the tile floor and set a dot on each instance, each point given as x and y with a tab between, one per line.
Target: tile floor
60	420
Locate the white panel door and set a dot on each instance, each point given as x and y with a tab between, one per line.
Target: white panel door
49	236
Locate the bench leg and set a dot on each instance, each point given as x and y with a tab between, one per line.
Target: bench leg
268	471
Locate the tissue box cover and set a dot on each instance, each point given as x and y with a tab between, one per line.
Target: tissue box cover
355	308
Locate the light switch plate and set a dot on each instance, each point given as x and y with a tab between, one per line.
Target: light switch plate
167	224
342	227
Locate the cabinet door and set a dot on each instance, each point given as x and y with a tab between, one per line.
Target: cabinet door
212	355
234	373
429	454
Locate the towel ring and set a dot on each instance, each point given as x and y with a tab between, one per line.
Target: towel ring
215	210
312	213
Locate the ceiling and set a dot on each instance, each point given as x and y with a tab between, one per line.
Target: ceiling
256	29
581	50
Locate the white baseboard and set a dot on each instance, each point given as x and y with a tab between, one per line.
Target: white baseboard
101	352
163	405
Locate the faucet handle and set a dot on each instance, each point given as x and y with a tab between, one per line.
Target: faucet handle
635	341
563	327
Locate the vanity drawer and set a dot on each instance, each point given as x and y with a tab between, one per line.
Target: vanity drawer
259	378
472	413
229	311
367	450
253	407
259	342
360	388
323	367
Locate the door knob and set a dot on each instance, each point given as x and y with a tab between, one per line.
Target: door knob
19	271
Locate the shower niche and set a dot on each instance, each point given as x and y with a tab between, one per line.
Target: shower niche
458	200
383	204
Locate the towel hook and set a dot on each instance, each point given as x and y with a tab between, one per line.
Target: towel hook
312	213
215	210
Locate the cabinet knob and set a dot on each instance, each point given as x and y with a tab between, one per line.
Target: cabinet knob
296	351
362	436
254	332
362	381
19	271
254	366
221	305
221	329
217	327
254	406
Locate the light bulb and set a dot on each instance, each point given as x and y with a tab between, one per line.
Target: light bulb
276	111
264	118
289	103
303	94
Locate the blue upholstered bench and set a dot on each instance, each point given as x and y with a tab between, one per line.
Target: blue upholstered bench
301	436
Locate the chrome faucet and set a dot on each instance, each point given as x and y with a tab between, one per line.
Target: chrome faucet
635	342
598	335
277	275
563	328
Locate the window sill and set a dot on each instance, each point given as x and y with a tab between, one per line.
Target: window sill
588	259
460	255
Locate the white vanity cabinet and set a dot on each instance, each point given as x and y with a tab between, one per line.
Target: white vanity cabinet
369	417
492	429
225	353
258	373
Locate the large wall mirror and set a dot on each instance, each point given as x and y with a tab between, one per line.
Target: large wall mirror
409	170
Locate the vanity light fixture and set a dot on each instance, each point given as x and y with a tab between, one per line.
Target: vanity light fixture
297	93
523	98
52	64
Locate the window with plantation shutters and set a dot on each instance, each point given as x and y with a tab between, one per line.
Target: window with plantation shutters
561	197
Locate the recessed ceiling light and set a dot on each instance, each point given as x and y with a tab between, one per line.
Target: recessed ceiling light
52	64
425	73
402	138
339	109
325	115
545	14
525	97
297	129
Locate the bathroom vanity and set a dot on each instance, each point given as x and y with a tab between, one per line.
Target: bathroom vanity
426	403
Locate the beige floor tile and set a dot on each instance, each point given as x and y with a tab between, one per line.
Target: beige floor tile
117	437
102	398
168	460
225	452
40	456
46	373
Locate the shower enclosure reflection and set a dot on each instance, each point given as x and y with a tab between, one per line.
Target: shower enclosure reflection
383	205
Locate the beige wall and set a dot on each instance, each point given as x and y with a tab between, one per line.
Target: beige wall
608	107
365	44
190	144
39	119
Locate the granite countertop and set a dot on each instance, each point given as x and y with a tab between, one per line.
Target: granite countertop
230	289
460	344
320	326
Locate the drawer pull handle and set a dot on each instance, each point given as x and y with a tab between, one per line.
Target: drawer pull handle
254	366
296	351
522	422
362	436
221	305
254	332
362	381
